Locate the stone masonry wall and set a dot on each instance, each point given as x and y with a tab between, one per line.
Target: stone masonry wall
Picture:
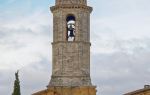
71	60
59	2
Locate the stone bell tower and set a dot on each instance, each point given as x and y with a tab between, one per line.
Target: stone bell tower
70	49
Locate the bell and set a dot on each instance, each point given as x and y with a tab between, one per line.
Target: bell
71	33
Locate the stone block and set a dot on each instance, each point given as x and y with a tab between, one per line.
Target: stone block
87	90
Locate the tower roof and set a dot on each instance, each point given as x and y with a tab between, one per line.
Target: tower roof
60	2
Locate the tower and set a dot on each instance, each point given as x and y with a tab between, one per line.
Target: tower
70	49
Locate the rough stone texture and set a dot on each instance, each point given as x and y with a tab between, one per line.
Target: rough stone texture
68	91
71	64
71	60
58	2
82	23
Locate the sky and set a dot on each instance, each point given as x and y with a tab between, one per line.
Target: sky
120	51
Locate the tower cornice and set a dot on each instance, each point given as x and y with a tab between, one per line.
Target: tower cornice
68	6
60	2
71	42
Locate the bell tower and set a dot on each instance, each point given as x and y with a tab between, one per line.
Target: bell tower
70	49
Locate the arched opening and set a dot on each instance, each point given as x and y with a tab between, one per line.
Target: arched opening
70	21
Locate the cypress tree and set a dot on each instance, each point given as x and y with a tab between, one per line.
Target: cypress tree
16	85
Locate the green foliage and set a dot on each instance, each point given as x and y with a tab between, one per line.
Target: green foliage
16	85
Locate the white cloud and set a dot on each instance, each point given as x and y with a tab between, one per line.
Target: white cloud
120	48
32	77
129	29
120	45
118	73
24	42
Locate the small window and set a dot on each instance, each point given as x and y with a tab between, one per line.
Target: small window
70	28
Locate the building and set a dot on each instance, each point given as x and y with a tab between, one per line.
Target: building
144	91
70	49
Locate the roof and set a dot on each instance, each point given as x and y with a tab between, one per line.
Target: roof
138	91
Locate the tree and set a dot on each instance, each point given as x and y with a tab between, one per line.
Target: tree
16	85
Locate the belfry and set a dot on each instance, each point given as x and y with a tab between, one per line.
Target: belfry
70	49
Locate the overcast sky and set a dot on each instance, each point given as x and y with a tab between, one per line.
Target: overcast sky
120	52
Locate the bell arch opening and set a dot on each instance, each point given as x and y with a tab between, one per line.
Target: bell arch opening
70	22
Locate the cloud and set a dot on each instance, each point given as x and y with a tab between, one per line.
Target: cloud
120	45
119	54
25	41
108	32
39	71
116	73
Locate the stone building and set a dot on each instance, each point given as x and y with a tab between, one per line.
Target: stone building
70	49
144	91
